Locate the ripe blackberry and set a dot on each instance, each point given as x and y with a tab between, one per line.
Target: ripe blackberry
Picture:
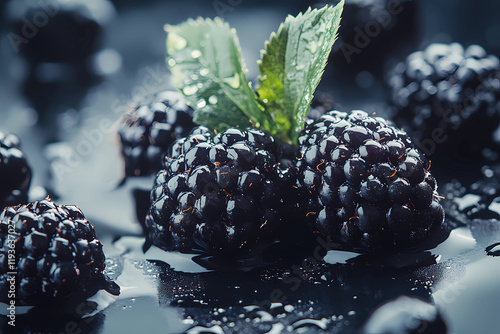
15	173
448	97
218	194
56	253
364	184
150	129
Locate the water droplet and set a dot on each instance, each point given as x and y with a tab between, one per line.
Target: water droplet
196	54
199	85
204	71
176	42
189	90
300	67
213	99
289	308
201	329
264	316
193	77
275	305
201	103
233	81
171	62
322	324
251	308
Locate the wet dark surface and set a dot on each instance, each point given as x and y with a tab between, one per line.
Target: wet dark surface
78	159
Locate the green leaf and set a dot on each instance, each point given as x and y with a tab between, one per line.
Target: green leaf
205	59
292	65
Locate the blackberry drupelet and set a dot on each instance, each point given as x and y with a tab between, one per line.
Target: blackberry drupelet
364	184
15	173
150	129
57	255
219	194
448	97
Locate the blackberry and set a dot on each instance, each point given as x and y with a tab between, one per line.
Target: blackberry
218	194
15	173
60	41
448	97
66	32
371	32
57	255
150	129
364	184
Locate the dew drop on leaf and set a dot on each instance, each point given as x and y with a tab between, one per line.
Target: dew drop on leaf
204	71
190	90
176	42
213	99
233	81
201	103
196	54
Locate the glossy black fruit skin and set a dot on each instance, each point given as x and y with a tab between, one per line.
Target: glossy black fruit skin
364	185
52	249
221	194
448	97
15	173
151	128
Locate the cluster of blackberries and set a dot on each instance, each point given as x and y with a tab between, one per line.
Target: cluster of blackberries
53	252
448	97
357	180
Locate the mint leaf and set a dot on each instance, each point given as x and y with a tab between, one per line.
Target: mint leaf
292	65
205	59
